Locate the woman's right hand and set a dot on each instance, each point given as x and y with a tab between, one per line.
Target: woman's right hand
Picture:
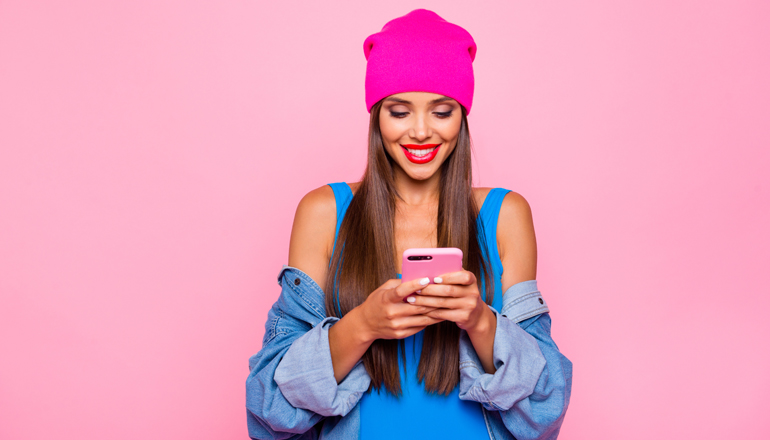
386	315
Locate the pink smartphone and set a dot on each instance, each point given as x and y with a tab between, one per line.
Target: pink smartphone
430	262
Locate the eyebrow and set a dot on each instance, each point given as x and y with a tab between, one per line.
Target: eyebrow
404	101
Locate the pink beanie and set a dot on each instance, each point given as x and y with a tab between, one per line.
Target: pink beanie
420	52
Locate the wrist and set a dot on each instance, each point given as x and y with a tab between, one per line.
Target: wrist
359	329
485	326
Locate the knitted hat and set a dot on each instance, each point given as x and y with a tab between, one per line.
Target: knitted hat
420	52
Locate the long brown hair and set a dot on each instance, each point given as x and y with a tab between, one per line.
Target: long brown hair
364	258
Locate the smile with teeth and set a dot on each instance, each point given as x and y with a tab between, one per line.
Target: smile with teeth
421	153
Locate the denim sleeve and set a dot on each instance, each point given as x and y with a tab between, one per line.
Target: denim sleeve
291	385
305	375
532	383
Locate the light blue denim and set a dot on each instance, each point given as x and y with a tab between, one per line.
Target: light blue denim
291	392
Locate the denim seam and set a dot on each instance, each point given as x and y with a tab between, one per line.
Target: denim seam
497	407
526	294
484	398
522	298
310	304
530	314
302	275
486	421
306	300
275	335
472	366
274	328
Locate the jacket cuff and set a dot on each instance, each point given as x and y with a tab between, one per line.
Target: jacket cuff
518	362
523	301
305	375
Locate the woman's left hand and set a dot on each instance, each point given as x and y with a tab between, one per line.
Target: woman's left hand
456	294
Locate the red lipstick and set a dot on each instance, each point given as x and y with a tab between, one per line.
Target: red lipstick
421	158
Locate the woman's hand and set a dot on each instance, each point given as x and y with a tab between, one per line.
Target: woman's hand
386	315
455	297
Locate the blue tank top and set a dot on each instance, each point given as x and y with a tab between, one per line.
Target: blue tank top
418	413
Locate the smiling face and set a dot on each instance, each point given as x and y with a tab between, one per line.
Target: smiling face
419	131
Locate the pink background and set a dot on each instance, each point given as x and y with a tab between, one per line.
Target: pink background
152	155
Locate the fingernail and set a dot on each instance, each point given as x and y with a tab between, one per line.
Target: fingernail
418	291
425	281
437	280
411	299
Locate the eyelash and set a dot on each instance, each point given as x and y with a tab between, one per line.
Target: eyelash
441	115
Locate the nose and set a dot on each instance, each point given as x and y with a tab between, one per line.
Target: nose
421	129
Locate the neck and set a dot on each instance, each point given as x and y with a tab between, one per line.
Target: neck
417	192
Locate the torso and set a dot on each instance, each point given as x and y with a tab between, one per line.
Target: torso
439	416
415	226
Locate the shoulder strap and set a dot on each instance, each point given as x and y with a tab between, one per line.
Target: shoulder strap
343	195
488	215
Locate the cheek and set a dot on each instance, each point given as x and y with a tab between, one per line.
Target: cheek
450	131
390	130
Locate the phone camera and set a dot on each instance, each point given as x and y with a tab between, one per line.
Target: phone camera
419	257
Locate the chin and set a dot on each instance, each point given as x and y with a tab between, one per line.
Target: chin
422	174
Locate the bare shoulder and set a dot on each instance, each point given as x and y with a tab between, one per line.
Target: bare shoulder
480	194
317	204
515	208
516	240
312	234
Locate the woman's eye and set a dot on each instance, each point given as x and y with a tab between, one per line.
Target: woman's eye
444	114
398	114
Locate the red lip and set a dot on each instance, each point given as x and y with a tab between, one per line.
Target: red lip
420	160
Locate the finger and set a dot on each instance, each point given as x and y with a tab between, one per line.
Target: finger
463	277
409	331
418	321
391	283
446	290
447	315
438	302
404	289
410	309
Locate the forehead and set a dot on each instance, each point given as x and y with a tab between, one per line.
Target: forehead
418	98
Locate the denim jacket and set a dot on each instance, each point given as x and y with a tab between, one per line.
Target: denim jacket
291	392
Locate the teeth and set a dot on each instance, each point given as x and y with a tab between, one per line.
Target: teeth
421	153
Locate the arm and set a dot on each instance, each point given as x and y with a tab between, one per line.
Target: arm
518	253
531	386
531	381
293	381
459	299
295	346
312	241
291	385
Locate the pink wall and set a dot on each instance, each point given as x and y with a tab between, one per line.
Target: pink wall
152	155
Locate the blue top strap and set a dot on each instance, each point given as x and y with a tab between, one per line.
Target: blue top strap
488	214
343	195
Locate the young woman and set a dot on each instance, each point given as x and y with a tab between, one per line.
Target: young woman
352	352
